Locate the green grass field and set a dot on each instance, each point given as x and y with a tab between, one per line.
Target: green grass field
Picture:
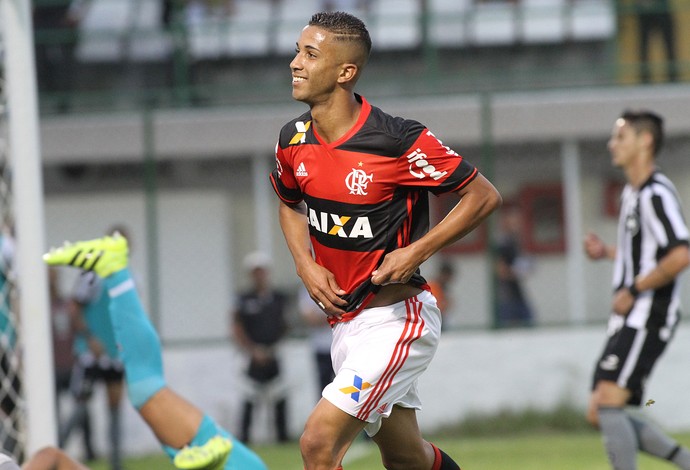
532	451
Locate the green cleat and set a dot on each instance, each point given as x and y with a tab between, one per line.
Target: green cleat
211	456
103	255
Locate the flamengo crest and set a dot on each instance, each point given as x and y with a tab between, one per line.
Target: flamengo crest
357	181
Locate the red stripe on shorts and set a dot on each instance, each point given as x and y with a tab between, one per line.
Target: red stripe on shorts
412	331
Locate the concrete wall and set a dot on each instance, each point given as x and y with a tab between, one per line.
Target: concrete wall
473	372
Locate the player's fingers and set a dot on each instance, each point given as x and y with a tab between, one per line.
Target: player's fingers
336	292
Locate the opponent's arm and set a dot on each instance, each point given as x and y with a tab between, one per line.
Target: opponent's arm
319	282
477	200
666	270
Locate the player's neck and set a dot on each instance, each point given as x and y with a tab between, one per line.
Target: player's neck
639	171
334	118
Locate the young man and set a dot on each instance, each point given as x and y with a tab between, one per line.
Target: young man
652	251
190	437
353	184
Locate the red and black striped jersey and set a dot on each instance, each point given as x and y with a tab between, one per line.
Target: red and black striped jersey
366	193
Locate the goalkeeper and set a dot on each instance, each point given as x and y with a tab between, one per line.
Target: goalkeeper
189	436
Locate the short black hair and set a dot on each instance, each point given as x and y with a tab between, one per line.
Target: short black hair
644	120
345	26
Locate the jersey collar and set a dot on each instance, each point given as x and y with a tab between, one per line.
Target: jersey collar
363	116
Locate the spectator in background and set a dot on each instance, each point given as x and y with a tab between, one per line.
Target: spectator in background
63	338
513	307
440	288
258	325
320	337
56	24
98	359
656	17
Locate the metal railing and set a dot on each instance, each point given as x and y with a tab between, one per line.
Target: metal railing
132	59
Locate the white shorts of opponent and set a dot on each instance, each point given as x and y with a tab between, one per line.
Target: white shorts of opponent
379	355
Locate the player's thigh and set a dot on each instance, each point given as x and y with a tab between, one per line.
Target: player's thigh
330	427
608	393
400	440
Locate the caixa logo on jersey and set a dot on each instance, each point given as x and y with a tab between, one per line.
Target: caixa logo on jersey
342	226
420	167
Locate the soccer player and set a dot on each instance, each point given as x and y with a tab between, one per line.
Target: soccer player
189	436
353	184
651	251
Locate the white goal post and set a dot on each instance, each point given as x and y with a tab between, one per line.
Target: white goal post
27	193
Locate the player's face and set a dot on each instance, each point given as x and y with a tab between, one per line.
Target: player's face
624	144
315	67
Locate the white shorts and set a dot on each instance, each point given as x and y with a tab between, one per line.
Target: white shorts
378	356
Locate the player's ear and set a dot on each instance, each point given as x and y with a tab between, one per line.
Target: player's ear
647	139
348	73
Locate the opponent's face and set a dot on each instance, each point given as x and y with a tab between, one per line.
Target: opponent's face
316	67
625	144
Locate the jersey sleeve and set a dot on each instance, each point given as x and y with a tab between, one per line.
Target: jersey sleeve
283	179
666	219
431	165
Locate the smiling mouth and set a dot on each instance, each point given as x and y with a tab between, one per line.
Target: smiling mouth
298	79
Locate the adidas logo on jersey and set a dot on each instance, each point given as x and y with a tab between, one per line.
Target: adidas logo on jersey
301	170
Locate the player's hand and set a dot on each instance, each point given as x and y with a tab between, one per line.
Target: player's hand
397	268
623	302
594	246
324	290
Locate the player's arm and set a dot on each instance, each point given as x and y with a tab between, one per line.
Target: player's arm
319	282
478	199
666	270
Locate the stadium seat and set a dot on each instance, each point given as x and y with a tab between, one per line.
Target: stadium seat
395	24
593	19
494	24
449	22
543	21
247	31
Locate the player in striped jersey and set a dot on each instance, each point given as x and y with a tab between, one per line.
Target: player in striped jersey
353	183
651	252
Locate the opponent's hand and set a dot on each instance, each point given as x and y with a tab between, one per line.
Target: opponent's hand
623	302
594	246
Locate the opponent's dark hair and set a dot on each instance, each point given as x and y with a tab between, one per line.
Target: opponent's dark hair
644	120
345	27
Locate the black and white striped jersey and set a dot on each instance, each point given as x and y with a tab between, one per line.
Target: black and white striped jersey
651	223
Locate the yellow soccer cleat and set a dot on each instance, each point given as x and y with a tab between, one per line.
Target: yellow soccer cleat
103	255
211	456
